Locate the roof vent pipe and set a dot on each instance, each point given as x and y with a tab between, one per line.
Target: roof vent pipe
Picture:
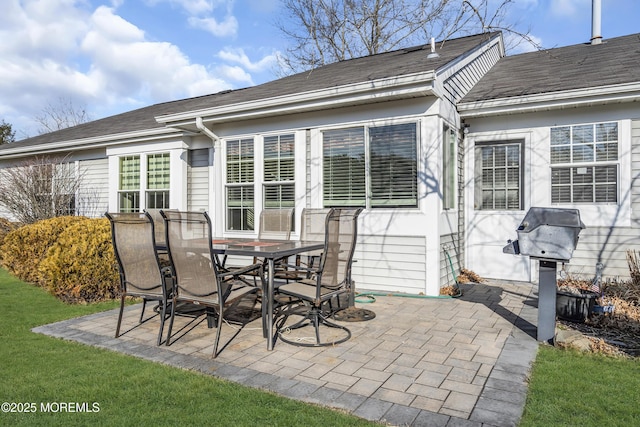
596	22
433	53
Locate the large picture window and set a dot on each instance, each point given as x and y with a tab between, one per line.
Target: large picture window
585	164
390	152
279	171
240	180
498	179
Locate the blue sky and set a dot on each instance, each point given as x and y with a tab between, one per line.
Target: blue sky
117	55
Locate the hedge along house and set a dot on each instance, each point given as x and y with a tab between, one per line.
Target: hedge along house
382	132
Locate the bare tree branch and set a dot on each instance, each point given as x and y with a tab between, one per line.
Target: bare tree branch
326	31
41	188
61	115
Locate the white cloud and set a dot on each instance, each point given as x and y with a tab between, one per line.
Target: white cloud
238	56
127	63
226	28
60	48
101	57
234	73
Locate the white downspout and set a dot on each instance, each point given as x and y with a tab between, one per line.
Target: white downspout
215	184
200	125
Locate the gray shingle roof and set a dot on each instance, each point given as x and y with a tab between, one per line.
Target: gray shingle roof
389	64
581	66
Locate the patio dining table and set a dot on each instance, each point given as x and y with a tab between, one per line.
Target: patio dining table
270	250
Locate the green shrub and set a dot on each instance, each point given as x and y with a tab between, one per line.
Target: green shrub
24	248
81	265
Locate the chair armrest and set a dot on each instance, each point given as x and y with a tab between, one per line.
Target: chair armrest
241	270
300	268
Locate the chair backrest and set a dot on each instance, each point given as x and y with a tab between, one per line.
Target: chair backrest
275	224
312	224
134	244
158	224
341	233
188	236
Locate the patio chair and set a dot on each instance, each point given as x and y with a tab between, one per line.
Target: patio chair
198	278
161	244
312	228
275	224
330	279
158	224
141	274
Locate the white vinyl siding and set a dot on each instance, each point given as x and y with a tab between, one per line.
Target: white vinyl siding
390	262
449	258
93	196
198	180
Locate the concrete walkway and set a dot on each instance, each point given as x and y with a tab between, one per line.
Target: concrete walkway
420	362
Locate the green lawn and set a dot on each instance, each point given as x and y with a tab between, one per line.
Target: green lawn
36	369
573	389
567	388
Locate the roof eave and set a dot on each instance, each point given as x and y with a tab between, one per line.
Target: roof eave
88	143
628	92
399	87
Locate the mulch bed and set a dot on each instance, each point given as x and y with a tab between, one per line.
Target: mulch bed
617	333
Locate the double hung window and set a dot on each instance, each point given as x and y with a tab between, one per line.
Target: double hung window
129	184
372	166
240	181
498	179
279	171
143	182
584	161
158	181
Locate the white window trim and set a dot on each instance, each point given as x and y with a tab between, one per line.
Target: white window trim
603	215
178	168
258	177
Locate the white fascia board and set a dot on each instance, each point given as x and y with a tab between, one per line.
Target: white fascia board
462	61
88	143
628	92
417	84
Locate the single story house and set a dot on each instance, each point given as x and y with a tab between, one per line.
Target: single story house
446	146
